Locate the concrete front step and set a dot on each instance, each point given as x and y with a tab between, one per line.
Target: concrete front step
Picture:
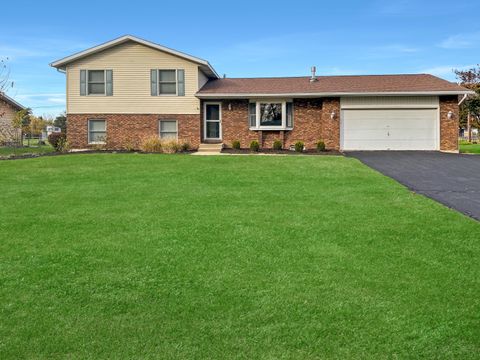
213	148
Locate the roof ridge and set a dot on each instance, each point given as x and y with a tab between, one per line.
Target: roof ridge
327	76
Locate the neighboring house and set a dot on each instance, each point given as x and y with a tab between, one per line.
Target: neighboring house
50	129
463	133
8	109
127	89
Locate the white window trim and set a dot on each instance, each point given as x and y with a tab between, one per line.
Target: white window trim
271	101
176	82
160	127
219	120
88	135
104	82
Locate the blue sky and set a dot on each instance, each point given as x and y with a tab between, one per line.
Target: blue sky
244	38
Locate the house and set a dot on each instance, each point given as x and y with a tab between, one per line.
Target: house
127	89
50	129
8	109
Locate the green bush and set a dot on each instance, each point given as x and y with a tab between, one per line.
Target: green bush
185	146
299	146
463	142
320	146
254	146
235	144
58	141
277	145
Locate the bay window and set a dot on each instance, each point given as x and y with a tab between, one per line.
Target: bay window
270	115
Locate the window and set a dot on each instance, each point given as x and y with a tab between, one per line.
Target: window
289	114
96	82
252	114
167	82
270	115
168	129
97	131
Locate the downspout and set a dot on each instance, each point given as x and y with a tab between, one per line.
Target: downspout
463	99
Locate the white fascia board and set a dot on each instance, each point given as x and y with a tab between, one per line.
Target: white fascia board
60	64
12	102
331	94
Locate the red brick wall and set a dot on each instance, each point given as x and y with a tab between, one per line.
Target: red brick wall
310	124
449	127
331	127
128	130
235	123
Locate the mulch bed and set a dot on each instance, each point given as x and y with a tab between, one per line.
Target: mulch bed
280	152
31	156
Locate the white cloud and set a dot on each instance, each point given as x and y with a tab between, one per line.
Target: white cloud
461	41
445	71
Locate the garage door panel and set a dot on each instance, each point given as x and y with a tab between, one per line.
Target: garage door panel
381	129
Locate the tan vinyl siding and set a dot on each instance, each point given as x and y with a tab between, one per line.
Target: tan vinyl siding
131	64
367	102
202	79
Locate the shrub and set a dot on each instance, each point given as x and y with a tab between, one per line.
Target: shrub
185	146
151	144
299	146
464	142
321	146
58	141
277	145
130	146
170	147
236	144
254	146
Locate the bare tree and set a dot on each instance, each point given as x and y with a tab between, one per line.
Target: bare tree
5	82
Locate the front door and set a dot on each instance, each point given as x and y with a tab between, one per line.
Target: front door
212	126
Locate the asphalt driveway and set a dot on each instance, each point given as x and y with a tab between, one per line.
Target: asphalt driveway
451	179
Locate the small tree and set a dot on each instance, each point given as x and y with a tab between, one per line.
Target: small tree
470	108
61	122
21	122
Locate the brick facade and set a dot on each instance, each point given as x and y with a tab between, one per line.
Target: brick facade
449	127
313	121
128	130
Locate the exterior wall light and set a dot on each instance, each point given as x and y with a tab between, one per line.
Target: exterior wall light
450	115
229	106
333	115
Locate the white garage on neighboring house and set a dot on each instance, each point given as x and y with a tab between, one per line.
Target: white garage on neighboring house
390	123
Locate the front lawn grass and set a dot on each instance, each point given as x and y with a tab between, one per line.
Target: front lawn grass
22	150
470	148
252	257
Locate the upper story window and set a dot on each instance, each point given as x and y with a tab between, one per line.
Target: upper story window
270	115
96	82
169	82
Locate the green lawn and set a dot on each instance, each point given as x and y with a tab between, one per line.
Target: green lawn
251	257
32	149
470	148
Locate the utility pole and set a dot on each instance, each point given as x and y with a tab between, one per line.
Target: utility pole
469	127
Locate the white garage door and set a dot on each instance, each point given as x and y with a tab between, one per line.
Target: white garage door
387	129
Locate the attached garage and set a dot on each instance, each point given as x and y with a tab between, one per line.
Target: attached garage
390	123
